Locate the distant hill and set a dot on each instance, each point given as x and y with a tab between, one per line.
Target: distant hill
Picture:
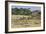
36	12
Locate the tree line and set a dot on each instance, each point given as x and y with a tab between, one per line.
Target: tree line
21	11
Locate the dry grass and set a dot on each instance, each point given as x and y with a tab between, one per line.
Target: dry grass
16	23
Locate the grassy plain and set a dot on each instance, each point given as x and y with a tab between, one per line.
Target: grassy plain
17	22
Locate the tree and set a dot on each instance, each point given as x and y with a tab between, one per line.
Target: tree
21	11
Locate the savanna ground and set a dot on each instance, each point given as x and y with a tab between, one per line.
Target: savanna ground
18	22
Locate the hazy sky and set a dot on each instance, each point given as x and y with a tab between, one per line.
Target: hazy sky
31	7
